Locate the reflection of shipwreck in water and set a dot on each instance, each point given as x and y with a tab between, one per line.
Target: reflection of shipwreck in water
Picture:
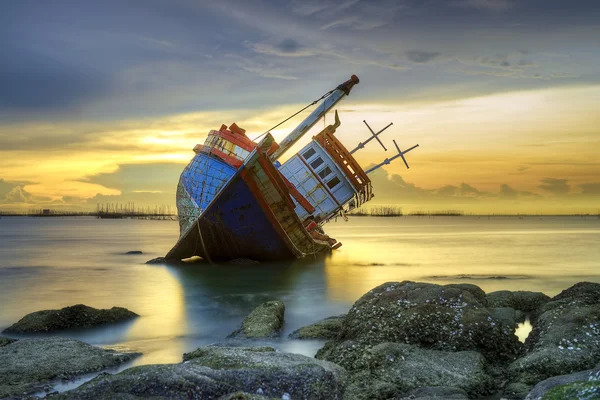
236	201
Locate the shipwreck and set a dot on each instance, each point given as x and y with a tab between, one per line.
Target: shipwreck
235	200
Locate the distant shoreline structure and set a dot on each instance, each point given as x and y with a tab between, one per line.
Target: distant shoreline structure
103	211
130	211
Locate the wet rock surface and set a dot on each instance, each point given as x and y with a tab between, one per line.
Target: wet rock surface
431	316
29	364
507	316
393	369
4	341
436	393
565	337
265	321
544	386
327	328
74	317
158	260
214	372
527	302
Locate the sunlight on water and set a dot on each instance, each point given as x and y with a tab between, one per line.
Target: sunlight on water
523	330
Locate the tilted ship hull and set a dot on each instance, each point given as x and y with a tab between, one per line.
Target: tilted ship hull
236	201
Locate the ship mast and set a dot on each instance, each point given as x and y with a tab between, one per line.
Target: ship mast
330	101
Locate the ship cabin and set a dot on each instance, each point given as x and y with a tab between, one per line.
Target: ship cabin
328	177
230	145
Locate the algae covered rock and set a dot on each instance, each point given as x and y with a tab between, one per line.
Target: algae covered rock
214	372
565	337
28	364
475	290
574	391
520	300
542	387
393	369
265	321
507	316
327	328
245	396
436	393
78	316
427	315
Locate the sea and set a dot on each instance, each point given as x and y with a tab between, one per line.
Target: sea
53	262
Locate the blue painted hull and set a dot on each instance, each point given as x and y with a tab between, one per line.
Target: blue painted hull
233	226
247	215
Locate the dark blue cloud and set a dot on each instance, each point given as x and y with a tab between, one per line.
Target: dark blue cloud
116	59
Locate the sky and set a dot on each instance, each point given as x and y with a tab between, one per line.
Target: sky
103	102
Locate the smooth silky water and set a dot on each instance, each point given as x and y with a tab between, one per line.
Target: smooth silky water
48	263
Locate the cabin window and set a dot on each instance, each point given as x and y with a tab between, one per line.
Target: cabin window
333	183
309	153
324	172
316	163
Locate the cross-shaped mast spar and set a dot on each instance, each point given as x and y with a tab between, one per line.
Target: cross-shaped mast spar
361	145
389	160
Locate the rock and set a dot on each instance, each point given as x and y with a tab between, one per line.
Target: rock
213	372
78	316
541	388
4	341
507	316
393	369
265	321
327	328
157	260
244	396
582	293
516	391
576	391
565	337
29	365
527	302
436	392
134	252
473	289
428	315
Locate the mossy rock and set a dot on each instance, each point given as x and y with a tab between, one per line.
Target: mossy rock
393	369
213	372
565	337
327	328
265	321
73	317
524	301
29	364
574	391
447	318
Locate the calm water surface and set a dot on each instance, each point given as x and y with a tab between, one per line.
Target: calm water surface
52	263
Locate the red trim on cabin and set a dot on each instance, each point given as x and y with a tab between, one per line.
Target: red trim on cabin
342	157
237	139
310	226
297	195
274	147
236	129
234	162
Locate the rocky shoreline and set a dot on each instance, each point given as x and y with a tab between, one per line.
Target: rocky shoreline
401	340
